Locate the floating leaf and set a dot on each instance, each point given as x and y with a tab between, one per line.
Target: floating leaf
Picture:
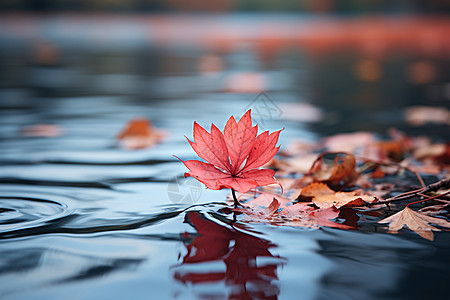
324	197
233	158
415	221
298	215
139	134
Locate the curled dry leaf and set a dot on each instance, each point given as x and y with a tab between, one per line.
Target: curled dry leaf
415	221
338	174
139	134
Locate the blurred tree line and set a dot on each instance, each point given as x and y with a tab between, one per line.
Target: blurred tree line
156	6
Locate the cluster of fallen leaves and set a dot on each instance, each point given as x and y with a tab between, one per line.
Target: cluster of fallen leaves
329	183
341	178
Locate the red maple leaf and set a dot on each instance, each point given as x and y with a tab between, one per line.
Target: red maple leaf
234	156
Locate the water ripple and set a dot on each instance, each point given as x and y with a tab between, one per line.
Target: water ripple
28	212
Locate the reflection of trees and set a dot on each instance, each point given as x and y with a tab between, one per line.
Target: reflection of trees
246	277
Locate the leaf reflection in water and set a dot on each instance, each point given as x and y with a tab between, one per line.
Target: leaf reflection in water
251	269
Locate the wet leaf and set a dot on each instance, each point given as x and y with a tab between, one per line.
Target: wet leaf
323	216
259	214
315	189
265	199
139	134
415	221
324	197
299	215
342	199
234	156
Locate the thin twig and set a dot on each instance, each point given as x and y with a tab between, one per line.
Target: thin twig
406	194
444	183
422	183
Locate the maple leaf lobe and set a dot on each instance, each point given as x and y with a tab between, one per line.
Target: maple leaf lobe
233	157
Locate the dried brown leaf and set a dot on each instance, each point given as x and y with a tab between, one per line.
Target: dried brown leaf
342	199
415	221
324	197
339	174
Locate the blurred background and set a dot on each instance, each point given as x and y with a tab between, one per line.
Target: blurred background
333	65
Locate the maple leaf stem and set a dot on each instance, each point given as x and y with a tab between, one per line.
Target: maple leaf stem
236	202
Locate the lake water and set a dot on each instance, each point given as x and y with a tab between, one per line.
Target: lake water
81	218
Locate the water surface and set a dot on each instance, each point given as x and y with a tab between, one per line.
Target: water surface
81	218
